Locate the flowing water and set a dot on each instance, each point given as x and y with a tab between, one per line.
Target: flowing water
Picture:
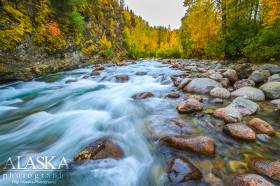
48	117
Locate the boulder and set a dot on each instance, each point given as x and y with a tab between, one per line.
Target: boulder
189	105
271	90
182	170
216	76
142	95
95	73
229	114
245	106
243	70
231	75
220	93
276	103
98	67
198	144
243	83
101	149
275	77
202	85
225	82
261	127
249	93
263	137
273	69
184	82
266	167
140	73
259	76
247	180
240	131
121	78
173	95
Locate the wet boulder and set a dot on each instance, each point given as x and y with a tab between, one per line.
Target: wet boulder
263	137
69	81
140	73
231	75
142	95
275	77
271	90
220	93
228	114
95	73
173	95
102	148
190	105
98	67
181	170
243	83
266	167
273	69
197	144
247	180
202	85
225	82
240	131
121	78
261	127
184	82
259	76
245	106
249	93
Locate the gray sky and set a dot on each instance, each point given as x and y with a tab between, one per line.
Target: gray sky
159	12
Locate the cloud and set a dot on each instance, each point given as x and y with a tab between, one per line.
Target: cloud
159	12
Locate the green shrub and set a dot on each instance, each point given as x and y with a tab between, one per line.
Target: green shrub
77	21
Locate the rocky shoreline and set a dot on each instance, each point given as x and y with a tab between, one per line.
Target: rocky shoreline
244	86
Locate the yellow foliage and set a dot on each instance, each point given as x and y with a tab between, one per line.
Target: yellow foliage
271	11
13	35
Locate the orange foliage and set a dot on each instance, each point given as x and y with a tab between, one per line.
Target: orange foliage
271	9
53	28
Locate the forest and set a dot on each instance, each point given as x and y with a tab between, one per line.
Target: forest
219	29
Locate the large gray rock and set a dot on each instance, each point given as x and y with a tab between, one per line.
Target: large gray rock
228	114
249	93
240	131
202	85
243	83
273	69
259	76
275	77
220	93
244	106
271	90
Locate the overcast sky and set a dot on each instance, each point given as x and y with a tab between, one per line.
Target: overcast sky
159	12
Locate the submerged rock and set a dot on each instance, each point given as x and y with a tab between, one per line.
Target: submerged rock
247	180
182	170
240	131
229	114
243	83
249	93
101	149
71	81
263	137
140	73
245	106
121	78
173	95
261	127
267	167
142	95
198	144
271	90
202	85
220	93
189	105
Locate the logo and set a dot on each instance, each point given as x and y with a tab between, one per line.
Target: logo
34	170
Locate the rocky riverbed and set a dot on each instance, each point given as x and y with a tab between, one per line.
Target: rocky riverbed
167	122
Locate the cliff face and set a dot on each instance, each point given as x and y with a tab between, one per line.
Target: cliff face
42	36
